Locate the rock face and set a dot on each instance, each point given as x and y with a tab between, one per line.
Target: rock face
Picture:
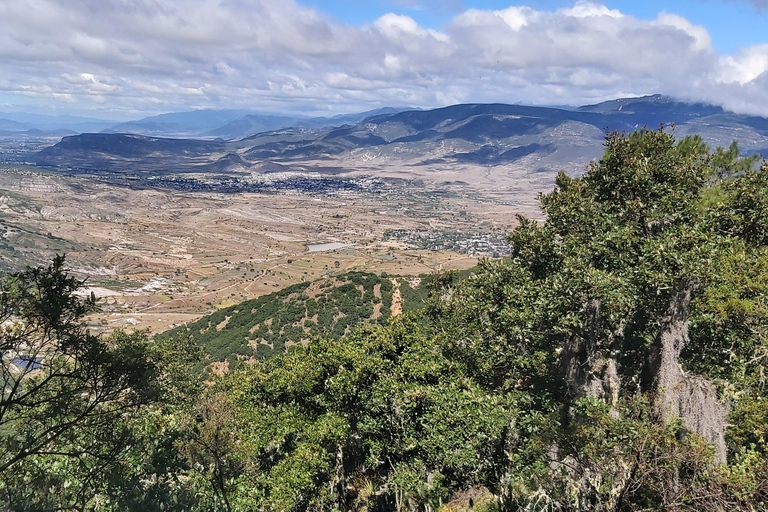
691	398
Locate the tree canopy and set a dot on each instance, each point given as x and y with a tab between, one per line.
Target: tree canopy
635	312
65	392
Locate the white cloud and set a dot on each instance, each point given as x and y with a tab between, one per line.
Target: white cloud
395	26
584	9
746	67
701	38
151	55
515	17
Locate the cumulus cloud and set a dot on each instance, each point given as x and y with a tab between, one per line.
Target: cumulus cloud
161	55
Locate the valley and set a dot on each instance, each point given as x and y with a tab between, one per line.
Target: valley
166	230
161	256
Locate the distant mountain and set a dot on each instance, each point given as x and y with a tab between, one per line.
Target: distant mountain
53	124
21	131
344	119
534	138
180	124
653	110
250	125
54	133
208	124
478	133
125	152
231	124
9	125
253	124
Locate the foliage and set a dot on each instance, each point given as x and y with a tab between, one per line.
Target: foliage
575	316
380	419
65	392
269	325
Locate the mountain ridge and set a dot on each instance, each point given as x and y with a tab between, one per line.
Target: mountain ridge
479	134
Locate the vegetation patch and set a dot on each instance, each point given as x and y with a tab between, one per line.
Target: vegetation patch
272	324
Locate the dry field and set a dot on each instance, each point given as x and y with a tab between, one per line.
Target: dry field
159	257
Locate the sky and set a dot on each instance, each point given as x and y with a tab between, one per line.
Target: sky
122	59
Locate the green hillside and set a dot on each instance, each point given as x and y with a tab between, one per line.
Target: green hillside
272	324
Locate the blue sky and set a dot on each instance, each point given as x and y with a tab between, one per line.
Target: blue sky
732	24
118	59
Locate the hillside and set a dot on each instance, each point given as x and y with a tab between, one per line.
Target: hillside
127	153
532	139
331	307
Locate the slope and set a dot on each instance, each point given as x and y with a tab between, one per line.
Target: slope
272	324
529	139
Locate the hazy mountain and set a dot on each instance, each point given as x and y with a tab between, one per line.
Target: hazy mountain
250	125
53	124
226	124
37	133
343	119
187	124
232	124
535	138
9	125
253	124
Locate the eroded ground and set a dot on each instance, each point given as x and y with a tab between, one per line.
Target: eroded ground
159	257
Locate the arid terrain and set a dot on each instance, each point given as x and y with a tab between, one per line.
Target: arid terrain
167	230
158	257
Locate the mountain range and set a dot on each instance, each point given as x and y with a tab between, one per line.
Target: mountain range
531	138
210	124
19	123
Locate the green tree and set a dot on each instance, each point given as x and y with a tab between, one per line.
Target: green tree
380	419
644	290
65	392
